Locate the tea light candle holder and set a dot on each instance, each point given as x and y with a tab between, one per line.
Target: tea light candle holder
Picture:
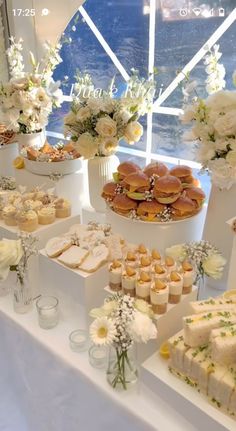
48	313
98	356
78	340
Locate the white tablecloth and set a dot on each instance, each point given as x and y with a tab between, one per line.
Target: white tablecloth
44	386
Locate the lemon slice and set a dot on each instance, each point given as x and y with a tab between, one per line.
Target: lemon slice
19	163
164	350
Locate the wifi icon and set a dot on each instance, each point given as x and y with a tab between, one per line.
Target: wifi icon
197	11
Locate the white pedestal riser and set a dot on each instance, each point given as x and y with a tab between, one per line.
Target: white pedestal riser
7	154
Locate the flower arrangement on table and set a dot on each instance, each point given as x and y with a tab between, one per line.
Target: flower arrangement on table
214	125
97	121
208	259
28	98
119	323
7	183
14	256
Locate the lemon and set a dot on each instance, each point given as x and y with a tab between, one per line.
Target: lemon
19	163
164	350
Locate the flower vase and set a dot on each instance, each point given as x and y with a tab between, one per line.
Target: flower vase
4	289
200	282
221	208
100	170
22	296
36	140
122	367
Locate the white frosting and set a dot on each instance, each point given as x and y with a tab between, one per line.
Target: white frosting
176	287
188	278
143	289
145	268
160	276
170	268
160	296
115	275
128	282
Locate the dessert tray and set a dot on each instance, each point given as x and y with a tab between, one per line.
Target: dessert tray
48	160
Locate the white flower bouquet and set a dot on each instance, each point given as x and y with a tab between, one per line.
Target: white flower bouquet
97	121
120	322
214	125
28	98
207	259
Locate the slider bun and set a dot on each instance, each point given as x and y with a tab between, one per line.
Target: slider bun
156	168
122	204
195	193
181	171
183	207
152	207
127	168
168	184
109	190
137	179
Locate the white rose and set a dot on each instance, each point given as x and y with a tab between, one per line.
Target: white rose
141	328
10	255
222	174
83	114
133	132
221	100
108	146
214	265
205	153
106	127
225	125
20	83
95	105
231	158
177	252
86	146
188	115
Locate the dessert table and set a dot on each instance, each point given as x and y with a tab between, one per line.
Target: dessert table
47	387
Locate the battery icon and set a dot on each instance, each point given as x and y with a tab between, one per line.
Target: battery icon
221	11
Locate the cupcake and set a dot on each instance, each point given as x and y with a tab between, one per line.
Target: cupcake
12	196
188	277
9	215
143	286
156	257
30	196
131	259
27	220
160	272
175	287
18	202
3	203
128	281
170	264
145	264
39	195
63	208
159	295
115	275
47	215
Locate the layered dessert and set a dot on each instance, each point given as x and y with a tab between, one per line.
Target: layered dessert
175	287
143	286
47	215
129	276
27	220
115	275
159	295
188	277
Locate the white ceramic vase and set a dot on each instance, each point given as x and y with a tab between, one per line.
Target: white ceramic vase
100	170
36	140
221	208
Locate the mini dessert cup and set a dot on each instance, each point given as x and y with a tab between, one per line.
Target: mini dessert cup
115	276
160	272
156	257
145	264
170	264
27	221
159	295
63	208
47	215
142	250
9	215
175	287
143	286
128	281
188	277
131	260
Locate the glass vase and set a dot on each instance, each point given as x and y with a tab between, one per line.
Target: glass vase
22	296
122	369
200	283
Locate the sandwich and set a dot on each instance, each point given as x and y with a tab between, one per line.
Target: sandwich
125	169
149	210
122	204
167	189
156	168
183	207
197	195
109	191
136	185
184	173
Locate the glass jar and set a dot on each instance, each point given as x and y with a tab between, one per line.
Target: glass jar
122	369
48	313
22	295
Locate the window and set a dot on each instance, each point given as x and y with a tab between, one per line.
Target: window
110	37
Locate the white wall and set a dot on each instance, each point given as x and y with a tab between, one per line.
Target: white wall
35	30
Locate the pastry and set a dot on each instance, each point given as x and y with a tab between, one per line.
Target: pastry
63	208
56	246
128	281
47	215
188	277
27	220
9	215
160	273
175	287
115	275
159	294
170	264
95	259
131	259
145	264
143	286
73	257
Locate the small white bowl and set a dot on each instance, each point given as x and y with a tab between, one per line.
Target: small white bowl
64	167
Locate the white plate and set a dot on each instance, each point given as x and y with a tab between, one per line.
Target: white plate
187	400
48	168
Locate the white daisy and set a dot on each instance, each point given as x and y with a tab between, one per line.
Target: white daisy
102	331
